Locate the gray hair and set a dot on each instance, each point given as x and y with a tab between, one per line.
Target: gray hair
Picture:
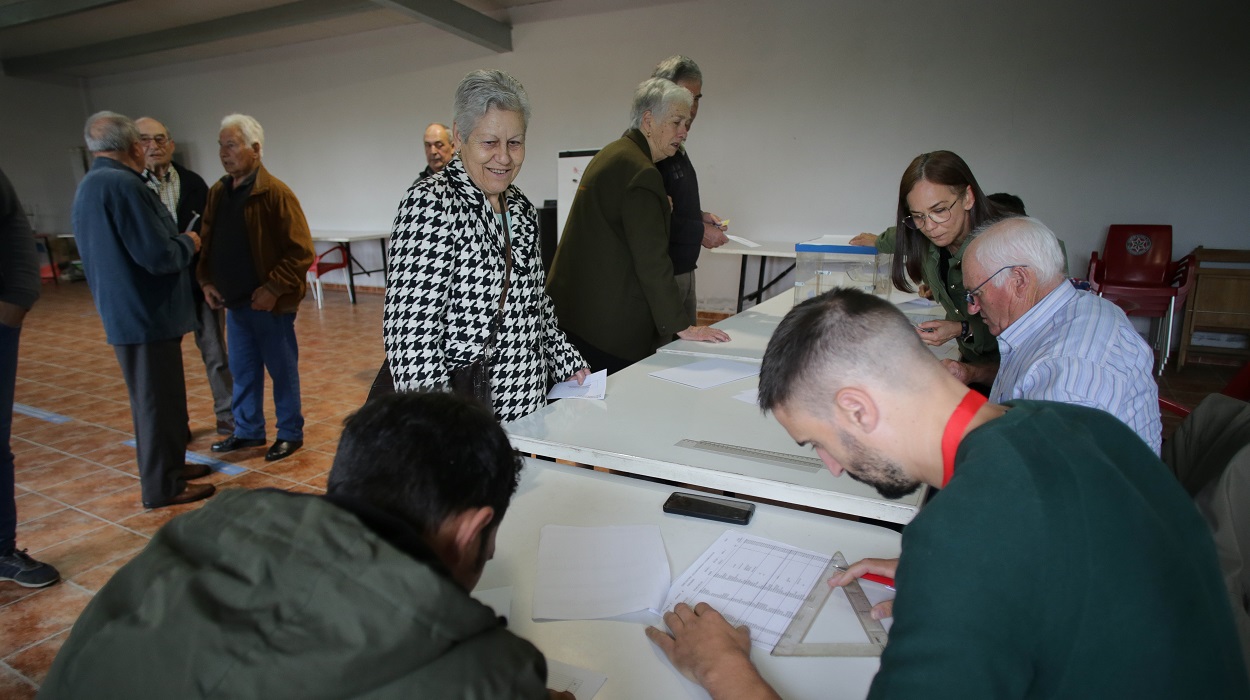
677	69
840	338
248	127
657	96
110	131
483	89
1018	240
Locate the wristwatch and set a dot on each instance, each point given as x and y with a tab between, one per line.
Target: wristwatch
965	333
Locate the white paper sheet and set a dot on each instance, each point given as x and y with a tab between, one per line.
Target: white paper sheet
918	303
706	374
753	581
742	241
587	573
595	387
582	683
751	396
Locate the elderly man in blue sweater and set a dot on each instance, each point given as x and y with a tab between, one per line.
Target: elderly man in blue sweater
138	267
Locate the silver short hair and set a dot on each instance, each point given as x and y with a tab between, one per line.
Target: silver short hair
483	89
677	69
657	96
248	127
109	131
1018	240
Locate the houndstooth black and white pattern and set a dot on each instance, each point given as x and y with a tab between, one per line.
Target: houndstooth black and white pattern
445	279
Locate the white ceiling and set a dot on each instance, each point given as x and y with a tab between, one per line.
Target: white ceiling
94	41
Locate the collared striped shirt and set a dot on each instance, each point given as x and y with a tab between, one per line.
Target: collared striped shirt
168	188
1076	347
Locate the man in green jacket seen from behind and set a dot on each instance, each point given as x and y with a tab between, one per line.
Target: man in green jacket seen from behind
363	592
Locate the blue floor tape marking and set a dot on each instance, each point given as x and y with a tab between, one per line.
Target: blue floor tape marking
215	464
40	413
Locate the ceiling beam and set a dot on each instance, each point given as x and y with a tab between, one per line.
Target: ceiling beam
464	22
278	17
15	14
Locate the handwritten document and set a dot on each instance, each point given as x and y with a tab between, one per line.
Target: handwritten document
753	581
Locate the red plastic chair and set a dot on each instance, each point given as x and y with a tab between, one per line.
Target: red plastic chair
1137	274
321	265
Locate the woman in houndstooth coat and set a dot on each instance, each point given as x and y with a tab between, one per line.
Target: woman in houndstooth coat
447	267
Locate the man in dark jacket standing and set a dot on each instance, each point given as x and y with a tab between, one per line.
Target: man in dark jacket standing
363	592
257	250
138	267
19	288
184	194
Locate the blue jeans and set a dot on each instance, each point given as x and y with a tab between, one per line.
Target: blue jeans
260	340
8	381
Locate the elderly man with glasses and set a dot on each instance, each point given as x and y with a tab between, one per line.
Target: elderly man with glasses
1055	343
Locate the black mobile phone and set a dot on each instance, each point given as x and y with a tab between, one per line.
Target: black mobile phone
709	507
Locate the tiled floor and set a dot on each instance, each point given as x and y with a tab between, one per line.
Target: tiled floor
78	494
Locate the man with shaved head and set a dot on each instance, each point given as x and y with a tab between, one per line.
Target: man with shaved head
1060	558
184	194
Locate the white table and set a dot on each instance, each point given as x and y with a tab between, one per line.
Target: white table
556	494
637	427
767	249
353	265
750	330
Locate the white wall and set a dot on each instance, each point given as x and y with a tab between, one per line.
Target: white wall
1095	113
40	122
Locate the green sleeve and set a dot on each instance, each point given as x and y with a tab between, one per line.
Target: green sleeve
885	241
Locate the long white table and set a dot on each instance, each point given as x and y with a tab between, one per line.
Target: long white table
637	428
557	494
353	265
750	330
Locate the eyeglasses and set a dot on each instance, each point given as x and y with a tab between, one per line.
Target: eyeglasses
159	140
940	215
971	295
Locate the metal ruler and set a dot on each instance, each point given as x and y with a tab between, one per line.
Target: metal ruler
812	464
792	644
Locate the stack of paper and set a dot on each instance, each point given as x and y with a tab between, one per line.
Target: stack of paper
587	573
706	374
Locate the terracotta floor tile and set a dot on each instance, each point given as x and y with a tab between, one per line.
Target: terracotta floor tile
256	480
318	481
37	456
34	662
94	579
19	445
57	432
111	455
31	506
35	618
116	506
14	687
53	529
11	592
86	488
69	468
80	554
149	521
301	466
80	444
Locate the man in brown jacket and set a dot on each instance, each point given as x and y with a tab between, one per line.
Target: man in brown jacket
256	252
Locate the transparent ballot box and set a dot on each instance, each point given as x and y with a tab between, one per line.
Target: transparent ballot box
831	261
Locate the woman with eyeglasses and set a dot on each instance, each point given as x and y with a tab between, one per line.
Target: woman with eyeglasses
939	205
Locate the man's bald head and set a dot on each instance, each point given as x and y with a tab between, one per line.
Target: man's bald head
438	146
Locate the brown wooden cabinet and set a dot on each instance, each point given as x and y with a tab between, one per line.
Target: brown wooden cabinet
1219	303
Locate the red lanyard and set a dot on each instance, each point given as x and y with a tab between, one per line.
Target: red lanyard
955	426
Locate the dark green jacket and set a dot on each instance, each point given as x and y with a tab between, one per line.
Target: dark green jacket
1062	560
612	279
267	594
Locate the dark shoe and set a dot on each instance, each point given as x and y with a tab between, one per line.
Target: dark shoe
190	494
195	471
19	568
282	448
225	427
234	442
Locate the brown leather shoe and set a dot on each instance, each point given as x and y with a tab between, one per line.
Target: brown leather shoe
190	494
195	471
